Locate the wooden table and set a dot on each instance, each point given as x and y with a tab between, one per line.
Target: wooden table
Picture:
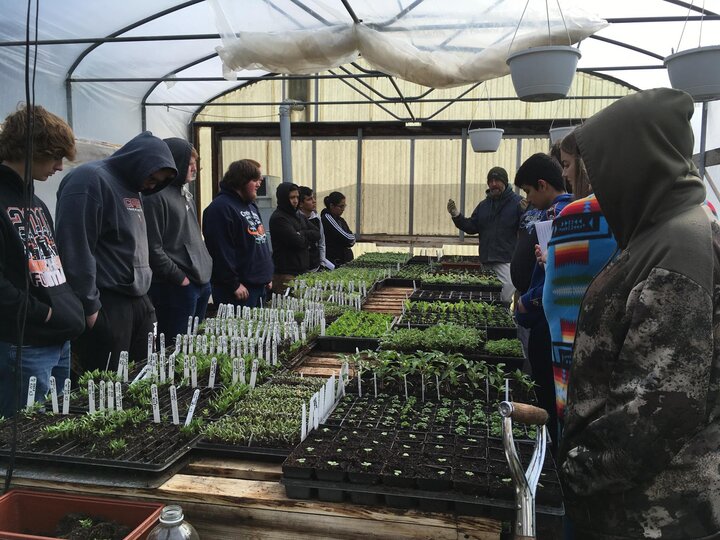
227	499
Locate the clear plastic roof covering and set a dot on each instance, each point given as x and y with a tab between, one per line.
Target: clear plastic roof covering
113	67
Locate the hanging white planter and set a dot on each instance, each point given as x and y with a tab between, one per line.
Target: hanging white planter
559	133
543	73
696	71
485	139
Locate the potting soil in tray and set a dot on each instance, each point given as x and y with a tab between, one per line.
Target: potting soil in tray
404	469
142	445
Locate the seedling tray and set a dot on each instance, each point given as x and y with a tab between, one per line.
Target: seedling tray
459	287
253	452
346	344
427	295
398	282
462	504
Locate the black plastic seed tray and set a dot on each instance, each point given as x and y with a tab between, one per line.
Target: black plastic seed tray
346	344
252	452
457	296
459	287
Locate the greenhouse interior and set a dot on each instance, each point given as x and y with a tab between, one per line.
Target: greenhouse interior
360	269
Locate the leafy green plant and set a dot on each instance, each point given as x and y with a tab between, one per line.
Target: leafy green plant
504	347
360	324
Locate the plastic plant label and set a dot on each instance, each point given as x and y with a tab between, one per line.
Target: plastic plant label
150	343
162	345
32	386
171	368
174	405
193	404
191	344
235	370
161	368
189	326
213	370
241	372
101	395
91	396
186	367
253	373
153	359
118	397
53	395
196	324
303	423
375	383
316	416
322	326
155	403
193	372
110	387
125	362
66	397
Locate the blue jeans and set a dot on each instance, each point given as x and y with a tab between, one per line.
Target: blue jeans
222	295
175	303
42	362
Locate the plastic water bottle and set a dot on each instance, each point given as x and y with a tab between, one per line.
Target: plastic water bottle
172	526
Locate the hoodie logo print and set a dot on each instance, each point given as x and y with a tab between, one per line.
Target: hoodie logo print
43	259
133	204
254	226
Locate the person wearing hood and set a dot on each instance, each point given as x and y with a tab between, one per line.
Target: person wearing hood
179	260
291	237
103	240
236	240
496	220
639	455
50	312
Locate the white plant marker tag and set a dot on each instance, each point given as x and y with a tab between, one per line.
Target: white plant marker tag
178	342
185	344
66	397
32	386
150	343
110	396
91	396
196	323
406	391
311	416
118	397
213	371
375	383
507	389
193	404
161	368
120	368
53	395
322	326
186	367
241	373
331	389
171	368
153	359
174	405
193	372
303	424
340	386
191	344
235	370
162	345
189	326
101	395
155	403
321	404
253	373
316	417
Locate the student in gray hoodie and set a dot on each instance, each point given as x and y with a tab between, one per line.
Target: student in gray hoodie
179	260
103	240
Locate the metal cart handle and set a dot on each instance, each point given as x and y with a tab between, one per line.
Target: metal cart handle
524	413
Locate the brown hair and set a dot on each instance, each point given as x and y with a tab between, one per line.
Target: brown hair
52	136
581	184
241	172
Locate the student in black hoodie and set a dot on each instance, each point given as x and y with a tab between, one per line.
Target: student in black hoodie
179	260
52	313
291	237
235	237
103	239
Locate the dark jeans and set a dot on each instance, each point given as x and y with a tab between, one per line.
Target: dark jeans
123	324
175	303
222	295
540	358
42	362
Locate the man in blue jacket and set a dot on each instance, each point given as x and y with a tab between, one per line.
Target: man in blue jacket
496	220
103	241
235	237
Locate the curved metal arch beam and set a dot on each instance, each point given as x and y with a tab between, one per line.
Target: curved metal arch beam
627	46
692	7
143	113
132	26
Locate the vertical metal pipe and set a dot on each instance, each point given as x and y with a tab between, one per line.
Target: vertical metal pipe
69	101
285	142
518	160
358	183
463	175
411	212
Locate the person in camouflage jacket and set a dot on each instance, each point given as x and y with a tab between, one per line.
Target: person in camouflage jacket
640	455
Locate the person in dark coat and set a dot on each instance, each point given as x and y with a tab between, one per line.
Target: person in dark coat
496	220
179	260
339	239
51	313
291	236
236	239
